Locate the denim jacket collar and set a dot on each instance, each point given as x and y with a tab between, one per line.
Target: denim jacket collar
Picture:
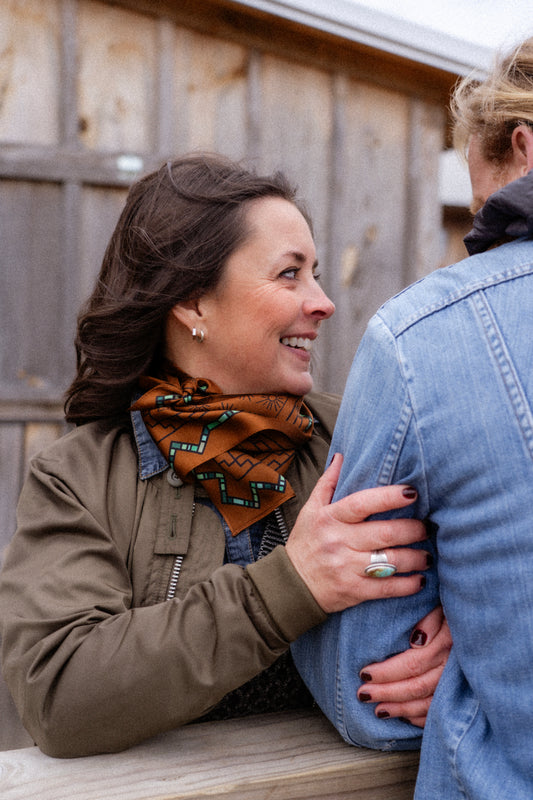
151	459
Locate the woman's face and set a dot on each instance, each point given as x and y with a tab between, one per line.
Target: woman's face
262	319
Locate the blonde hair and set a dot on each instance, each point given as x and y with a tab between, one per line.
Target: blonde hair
492	108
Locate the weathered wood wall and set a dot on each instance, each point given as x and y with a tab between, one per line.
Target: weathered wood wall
93	93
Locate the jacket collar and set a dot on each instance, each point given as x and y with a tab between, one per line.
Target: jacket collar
151	459
507	214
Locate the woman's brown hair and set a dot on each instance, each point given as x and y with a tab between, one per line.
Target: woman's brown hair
177	230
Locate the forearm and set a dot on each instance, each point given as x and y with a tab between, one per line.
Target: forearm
103	685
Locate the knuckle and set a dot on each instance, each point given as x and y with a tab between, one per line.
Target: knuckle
389	587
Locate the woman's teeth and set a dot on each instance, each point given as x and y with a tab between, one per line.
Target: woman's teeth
295	341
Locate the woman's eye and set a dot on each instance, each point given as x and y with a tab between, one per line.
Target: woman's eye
290	273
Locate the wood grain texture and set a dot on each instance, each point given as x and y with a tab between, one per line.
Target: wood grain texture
270	757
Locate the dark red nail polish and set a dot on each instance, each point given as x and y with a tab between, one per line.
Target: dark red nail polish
410	493
422	581
364	697
418	638
429	559
365	676
383	714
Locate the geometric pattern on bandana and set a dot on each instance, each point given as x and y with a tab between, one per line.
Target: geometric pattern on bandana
237	446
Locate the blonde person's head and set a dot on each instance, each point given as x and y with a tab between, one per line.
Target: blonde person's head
490	109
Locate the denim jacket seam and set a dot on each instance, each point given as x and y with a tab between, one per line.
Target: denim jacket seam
340	717
396	444
455	751
506	369
386	475
451	298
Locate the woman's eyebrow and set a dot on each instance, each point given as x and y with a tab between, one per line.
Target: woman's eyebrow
298	256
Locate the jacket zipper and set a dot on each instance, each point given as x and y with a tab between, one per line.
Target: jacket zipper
176	567
178	561
281	524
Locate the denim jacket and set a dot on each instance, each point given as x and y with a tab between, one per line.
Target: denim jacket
440	396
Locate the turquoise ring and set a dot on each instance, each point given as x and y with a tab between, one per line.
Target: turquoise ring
379	567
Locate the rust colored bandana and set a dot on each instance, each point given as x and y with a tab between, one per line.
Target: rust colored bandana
237	446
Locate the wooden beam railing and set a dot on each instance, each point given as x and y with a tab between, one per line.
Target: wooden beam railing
270	757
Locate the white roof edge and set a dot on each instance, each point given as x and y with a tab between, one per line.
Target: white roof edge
382	31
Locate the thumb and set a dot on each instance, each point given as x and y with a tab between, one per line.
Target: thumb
324	490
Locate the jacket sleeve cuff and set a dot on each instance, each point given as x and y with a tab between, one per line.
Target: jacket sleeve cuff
287	600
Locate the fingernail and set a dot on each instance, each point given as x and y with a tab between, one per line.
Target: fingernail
364	697
422	581
410	493
418	638
429	559
383	714
365	676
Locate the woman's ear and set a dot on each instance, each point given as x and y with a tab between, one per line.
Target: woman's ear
522	146
188	313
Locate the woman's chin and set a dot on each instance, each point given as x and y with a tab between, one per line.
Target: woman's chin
302	386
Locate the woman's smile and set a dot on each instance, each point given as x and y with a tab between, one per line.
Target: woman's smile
268	296
300	343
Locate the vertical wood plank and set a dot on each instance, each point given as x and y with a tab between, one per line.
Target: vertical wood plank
117	77
164	114
100	210
210	77
31	281
68	96
68	249
29	71
423	217
11	471
369	205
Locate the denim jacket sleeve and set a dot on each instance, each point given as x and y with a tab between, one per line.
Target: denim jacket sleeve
377	434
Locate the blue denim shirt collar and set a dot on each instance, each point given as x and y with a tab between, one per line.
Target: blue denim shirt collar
151	459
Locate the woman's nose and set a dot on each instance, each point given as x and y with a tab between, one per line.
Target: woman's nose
318	303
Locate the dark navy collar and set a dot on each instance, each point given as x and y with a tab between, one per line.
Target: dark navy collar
507	214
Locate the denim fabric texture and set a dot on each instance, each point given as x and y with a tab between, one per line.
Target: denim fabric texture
151	459
440	397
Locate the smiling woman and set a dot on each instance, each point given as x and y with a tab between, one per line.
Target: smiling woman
149	583
260	320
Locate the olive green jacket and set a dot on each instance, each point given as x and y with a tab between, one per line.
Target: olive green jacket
95	656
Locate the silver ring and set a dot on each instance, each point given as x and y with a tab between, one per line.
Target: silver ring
379	567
